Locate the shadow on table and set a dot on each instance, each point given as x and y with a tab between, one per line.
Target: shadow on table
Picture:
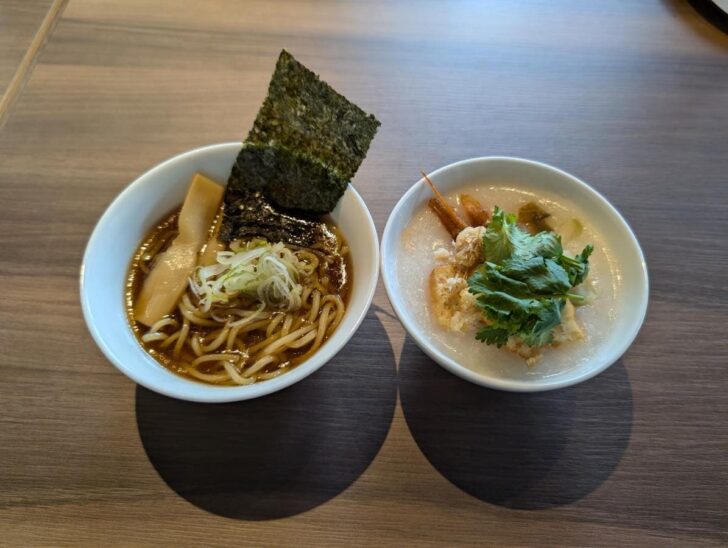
528	451
282	454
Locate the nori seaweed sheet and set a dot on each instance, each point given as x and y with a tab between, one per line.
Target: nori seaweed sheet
248	213
306	115
306	144
279	172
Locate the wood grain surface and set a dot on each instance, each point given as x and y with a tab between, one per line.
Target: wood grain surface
381	446
20	21
21	24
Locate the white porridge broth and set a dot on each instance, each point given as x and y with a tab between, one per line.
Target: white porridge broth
415	260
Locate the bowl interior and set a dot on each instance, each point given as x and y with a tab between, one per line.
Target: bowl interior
130	217
629	273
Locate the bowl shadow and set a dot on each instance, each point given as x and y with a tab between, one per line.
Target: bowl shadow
282	454
527	451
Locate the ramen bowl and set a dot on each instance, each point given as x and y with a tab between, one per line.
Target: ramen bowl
611	322
136	211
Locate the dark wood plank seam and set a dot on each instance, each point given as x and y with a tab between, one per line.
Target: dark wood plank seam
27	63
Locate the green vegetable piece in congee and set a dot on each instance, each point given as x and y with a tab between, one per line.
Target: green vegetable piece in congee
305	122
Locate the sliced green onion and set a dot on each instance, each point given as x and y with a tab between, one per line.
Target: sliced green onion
264	272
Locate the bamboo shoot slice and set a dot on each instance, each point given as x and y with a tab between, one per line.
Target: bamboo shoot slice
165	283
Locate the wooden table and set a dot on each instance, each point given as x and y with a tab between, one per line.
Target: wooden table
381	446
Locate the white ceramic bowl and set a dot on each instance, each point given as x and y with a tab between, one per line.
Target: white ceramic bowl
631	299
130	217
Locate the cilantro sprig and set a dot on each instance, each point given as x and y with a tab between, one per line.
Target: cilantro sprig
522	286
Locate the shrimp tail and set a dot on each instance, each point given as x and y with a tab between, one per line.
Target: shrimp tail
447	215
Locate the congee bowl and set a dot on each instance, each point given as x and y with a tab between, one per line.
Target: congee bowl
138	209
500	370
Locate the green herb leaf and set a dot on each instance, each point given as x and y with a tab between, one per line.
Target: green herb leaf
523	285
542	276
547	317
493	335
501	236
504	239
578	267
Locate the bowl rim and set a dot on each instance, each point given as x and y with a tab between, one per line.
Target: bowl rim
420	337
200	392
